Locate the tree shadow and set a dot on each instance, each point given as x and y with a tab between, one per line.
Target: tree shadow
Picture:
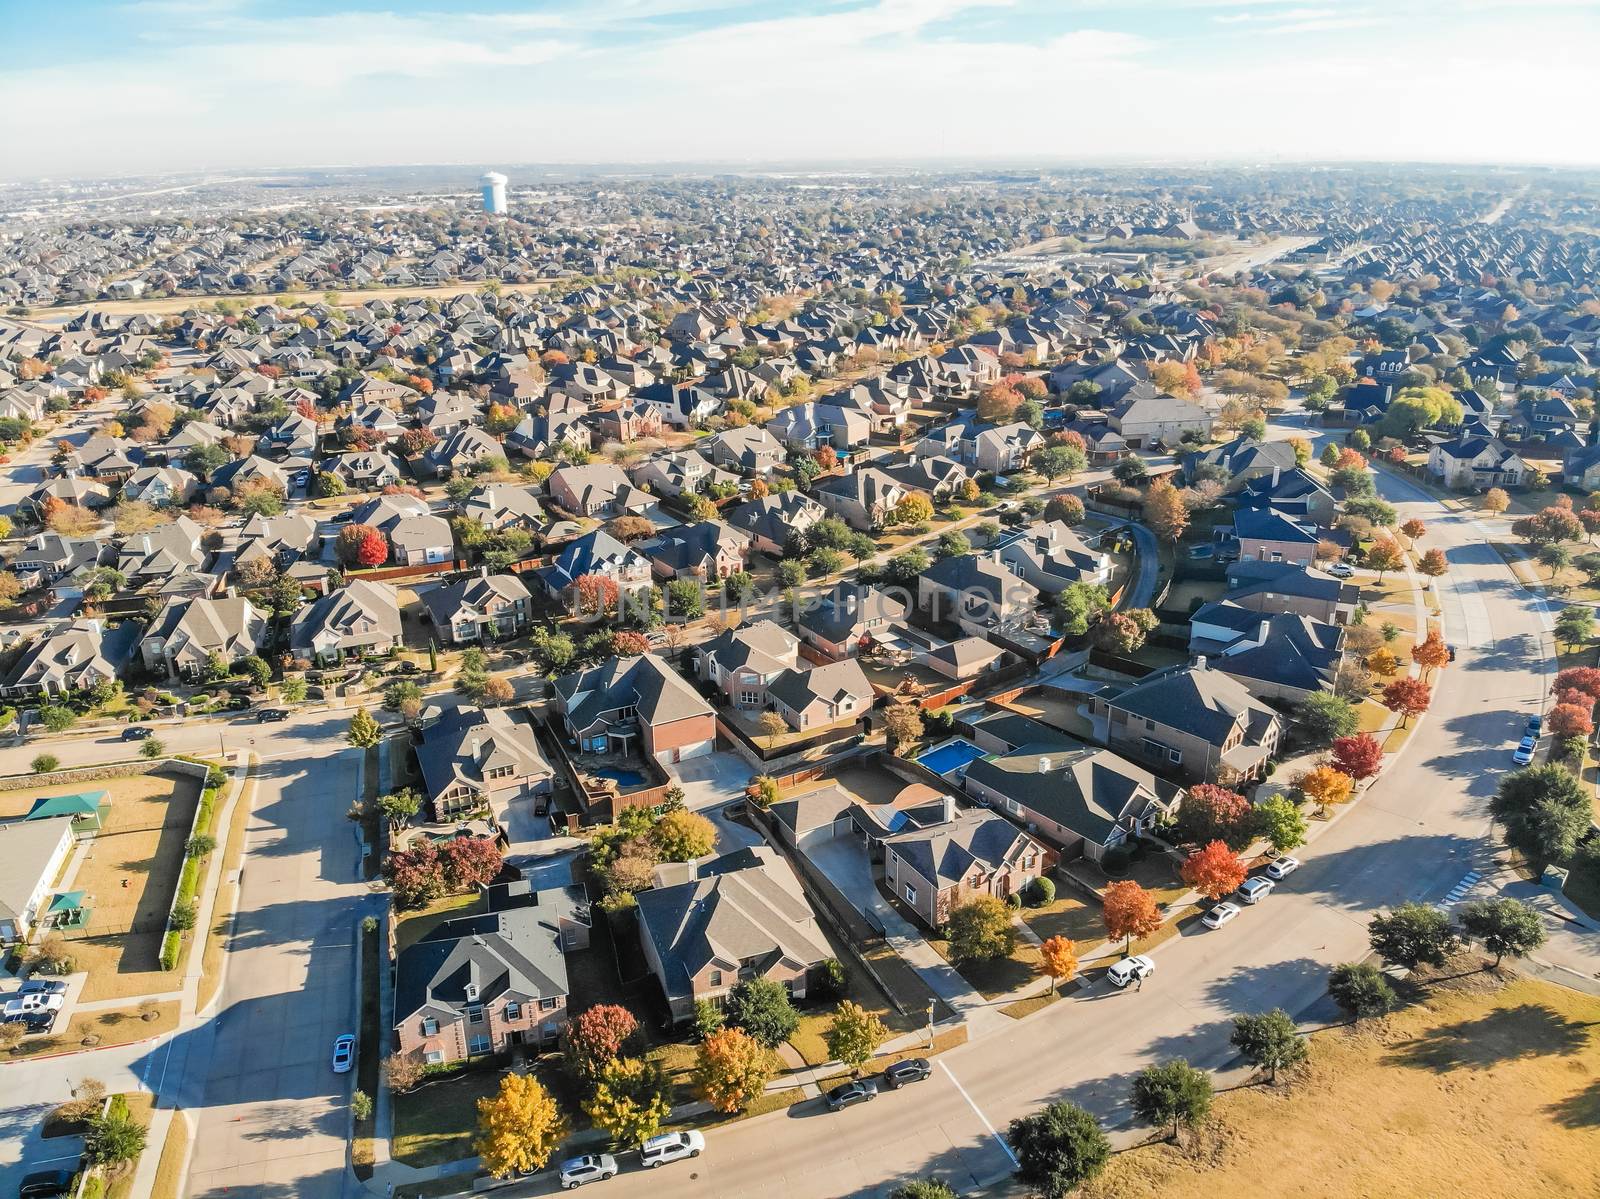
1504	1035
1581	1109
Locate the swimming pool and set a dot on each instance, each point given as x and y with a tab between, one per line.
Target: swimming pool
625	778
950	757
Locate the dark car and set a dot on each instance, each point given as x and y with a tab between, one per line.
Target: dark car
42	1183
271	715
43	986
136	732
409	667
850	1093
909	1071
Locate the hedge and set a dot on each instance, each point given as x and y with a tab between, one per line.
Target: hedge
189	880
170	945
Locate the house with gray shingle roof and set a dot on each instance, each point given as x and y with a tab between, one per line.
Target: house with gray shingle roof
937	869
1194	721
186	632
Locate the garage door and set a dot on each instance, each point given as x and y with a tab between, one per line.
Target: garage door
698	750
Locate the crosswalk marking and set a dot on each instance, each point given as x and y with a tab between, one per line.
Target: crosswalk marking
1459	891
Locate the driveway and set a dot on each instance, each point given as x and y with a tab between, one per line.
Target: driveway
709	785
23	1150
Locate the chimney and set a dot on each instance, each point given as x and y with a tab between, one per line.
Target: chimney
475	746
1199	661
1044	765
1275	471
1261	632
850	603
144	543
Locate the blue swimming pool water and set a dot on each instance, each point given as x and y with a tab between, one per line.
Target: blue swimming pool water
950	756
625	778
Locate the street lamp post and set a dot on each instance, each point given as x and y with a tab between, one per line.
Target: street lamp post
930	1026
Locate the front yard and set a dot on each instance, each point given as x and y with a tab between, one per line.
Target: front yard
437	1122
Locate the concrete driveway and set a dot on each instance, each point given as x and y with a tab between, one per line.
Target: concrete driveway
709	785
23	1150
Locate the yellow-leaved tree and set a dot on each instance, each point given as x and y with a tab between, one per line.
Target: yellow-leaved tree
1058	957
519	1128
733	1069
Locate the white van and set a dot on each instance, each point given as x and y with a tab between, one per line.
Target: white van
670	1147
1130	970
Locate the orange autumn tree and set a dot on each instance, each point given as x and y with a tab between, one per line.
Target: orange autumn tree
1433	563
1058	958
1408	697
1385	555
1214	870
1129	911
1325	784
1431	653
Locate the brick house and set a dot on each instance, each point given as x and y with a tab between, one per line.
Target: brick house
607	707
935	870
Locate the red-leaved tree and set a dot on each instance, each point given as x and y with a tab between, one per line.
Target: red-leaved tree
596	593
1570	720
1580	678
470	862
1358	755
1214	870
373	549
415	875
597	1036
1408	697
626	644
1212	813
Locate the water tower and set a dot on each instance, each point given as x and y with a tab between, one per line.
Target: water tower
494	192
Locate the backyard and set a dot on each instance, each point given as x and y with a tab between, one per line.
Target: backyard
1472	1092
130	872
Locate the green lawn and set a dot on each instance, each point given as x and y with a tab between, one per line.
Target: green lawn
1067	915
437	1122
810	1037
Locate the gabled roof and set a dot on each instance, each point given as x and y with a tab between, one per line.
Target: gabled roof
1198	700
510	953
645	683
945	853
1085	789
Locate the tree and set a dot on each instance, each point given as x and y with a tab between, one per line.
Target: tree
1544	810
1130	469
1325	785
903	723
981	930
630	1101
398	807
88	1097
1550	526
761	1008
1129	911
597	1036
1326	717
1269	1041
1360	989
1060	461
58	718
1414	528
1066	508
202	460
1556	557
470	862
1058	958
1433	563
732	1069
1164	511
352	542
403	1071
1413	934
1575	625
1120	633
923	1188
1570	720
496	691
114	1140
1496	500
1580	678
363	732
684	836
1504	925
1408	697
1385	555
596	593
1280	822
1358	755
152	748
1172	1093
1211	813
519	1128
1431	653
854	1035
1383	663
415	875
952	544
772	727
1214	870
1058	1149
913	509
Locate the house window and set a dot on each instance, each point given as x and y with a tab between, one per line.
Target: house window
475	1014
513	1011
911	894
1174	756
714	979
478	1043
547	1005
749	698
433	1057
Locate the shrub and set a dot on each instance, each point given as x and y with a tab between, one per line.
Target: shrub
1040	892
170	944
45	763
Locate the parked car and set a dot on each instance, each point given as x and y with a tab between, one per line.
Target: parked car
1523	754
137	732
1282	867
43	986
344	1053
671	1147
1220	914
591	1167
848	1094
1534	727
1254	890
271	715
44	1183
904	1073
1120	974
1341	570
1450	653
409	667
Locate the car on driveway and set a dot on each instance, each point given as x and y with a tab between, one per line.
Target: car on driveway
904	1073
43	986
137	732
1340	570
848	1094
1220	914
344	1053
44	1183
1282	867
671	1147
1523	754
1120	974
591	1167
1254	890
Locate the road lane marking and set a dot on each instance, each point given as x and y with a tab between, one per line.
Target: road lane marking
978	1111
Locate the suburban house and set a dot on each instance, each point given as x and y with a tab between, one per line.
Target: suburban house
163	553
482	984
935	870
1266	535
750	450
472	757
1279	657
185	634
501	506
741	662
813	425
849	616
864	499
160	485
483	607
706	927
821	695
1193	720
707	550
601	555
635	703
1241	460
1082	798
771	519
71	656
1150	420
362	617
1003	448
32	853
598	489
976	592
1050	557
1476	462
1273	587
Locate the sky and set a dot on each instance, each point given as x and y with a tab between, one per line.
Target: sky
112	87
